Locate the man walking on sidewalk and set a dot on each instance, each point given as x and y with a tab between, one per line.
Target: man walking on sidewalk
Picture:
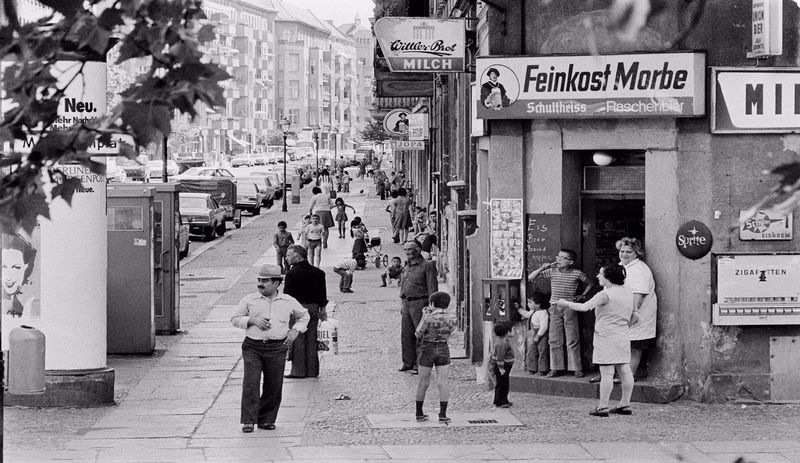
417	282
264	316
305	283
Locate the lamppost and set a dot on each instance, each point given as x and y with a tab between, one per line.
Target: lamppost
335	163
285	124
315	130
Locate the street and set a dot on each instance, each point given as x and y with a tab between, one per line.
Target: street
182	404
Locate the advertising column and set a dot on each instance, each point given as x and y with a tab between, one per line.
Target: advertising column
64	293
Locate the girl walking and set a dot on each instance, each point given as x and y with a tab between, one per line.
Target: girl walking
341	215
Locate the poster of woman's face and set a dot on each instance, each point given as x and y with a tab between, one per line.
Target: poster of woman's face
19	275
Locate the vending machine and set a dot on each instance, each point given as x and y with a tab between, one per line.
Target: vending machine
501	299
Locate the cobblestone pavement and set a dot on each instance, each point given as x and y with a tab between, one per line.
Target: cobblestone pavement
168	412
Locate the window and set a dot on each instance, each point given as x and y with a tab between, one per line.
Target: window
280	62
294	89
280	89
294	116
294	62
312	92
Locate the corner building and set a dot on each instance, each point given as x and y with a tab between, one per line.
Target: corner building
602	138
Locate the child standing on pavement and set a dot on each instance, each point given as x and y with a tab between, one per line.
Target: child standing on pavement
359	233
281	242
341	215
345	182
314	232
434	329
502	361
537	349
304	231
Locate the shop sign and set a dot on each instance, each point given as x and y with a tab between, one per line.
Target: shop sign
507	243
764	226
767	31
418	126
755	100
595	86
694	239
408	145
422	44
396	121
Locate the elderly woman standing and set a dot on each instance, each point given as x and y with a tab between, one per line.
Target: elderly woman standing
613	308
639	280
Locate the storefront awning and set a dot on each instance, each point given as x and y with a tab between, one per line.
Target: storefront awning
240	142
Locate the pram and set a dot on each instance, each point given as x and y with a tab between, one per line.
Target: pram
374	253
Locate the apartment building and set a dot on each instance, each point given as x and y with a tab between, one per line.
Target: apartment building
365	56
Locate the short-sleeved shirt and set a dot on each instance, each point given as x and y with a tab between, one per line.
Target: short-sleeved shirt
564	283
284	240
347	264
436	326
639	279
277	310
314	232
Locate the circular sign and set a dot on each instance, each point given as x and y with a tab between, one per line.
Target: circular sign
694	239
396	121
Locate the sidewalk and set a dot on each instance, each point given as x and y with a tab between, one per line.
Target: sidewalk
185	407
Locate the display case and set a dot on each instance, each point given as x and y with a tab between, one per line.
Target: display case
755	289
501	299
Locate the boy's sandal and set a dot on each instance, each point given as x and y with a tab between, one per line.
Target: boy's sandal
602	412
624	410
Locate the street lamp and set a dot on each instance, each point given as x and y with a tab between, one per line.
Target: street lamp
285	124
335	131
315	130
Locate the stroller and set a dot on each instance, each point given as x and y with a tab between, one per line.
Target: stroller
374	253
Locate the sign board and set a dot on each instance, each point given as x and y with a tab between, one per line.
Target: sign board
765	226
767	28
756	289
422	44
694	239
477	125
542	242
755	100
595	86
418	126
506	243
408	145
396	121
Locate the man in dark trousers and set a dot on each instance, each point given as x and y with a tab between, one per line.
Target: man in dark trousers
265	316
305	283
417	282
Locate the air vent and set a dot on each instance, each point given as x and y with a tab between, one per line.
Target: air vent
622	179
482	421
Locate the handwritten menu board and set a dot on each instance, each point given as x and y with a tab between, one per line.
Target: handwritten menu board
507	237
543	242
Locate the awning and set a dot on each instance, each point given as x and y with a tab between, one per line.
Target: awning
240	142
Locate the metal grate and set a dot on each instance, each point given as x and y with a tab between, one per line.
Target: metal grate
613	178
482	421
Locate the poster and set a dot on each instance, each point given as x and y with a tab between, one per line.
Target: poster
507	238
20	272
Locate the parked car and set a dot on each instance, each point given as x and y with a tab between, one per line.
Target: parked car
206	172
268	182
156	168
274	180
203	214
249	159
222	189
248	196
183	238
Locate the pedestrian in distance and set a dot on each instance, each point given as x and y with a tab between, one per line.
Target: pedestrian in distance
345	182
314	232
614	309
417	282
434	330
502	361
341	215
281	242
537	349
345	270
564	281
265	316
392	272
306	283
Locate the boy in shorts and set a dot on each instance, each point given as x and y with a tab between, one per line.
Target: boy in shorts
434	329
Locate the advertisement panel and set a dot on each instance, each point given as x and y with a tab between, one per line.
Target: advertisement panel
595	86
422	44
507	238
765	226
418	126
755	100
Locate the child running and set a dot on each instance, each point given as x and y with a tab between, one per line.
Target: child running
341	215
434	329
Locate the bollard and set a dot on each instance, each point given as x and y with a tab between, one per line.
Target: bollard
296	189
26	361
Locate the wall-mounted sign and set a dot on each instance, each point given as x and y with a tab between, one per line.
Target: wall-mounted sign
422	44
477	125
418	126
408	145
755	100
765	226
603	86
396	121
507	241
694	239
767	29
756	289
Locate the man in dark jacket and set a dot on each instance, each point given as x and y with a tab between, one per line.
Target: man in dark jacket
305	283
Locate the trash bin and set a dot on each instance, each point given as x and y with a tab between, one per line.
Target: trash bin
26	361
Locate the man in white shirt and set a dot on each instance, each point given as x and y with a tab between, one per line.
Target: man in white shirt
265	317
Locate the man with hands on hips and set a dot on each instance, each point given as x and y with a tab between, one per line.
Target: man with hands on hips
265	316
564	281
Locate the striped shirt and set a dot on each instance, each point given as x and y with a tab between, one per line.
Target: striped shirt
563	283
348	265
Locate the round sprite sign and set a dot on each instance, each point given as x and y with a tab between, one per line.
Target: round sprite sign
694	239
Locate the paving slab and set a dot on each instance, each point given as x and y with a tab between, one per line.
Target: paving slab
748	457
543	451
255	439
183	429
438	452
129	444
623	450
225	350
151	455
174	406
327	453
221	313
214	428
48	456
246	454
750	446
459	419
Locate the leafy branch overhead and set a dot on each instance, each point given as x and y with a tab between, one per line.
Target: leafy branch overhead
168	32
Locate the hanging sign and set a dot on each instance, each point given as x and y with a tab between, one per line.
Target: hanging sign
396	121
755	100
765	226
694	240
418	126
767	30
408	145
422	44
597	86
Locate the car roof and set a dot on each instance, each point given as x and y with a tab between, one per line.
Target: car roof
194	195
